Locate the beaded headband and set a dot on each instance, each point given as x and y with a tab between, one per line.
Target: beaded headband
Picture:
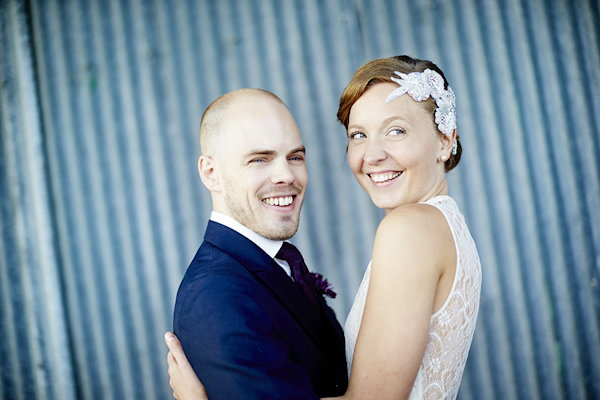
420	86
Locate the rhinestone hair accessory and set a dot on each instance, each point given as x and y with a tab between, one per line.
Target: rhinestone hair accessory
422	85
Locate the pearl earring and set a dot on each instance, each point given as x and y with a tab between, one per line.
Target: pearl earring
443	158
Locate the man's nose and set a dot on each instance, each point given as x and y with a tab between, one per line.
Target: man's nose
282	172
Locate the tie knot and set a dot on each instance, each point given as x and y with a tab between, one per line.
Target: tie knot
289	253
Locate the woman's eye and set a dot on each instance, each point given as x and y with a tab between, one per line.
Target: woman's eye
357	135
396	132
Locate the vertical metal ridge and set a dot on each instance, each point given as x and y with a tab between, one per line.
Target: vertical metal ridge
538	302
33	322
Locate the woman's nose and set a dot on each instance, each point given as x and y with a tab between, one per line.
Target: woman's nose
374	152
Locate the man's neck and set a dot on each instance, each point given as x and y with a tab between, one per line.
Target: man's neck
269	246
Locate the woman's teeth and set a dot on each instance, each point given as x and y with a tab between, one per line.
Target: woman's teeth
279	201
386	176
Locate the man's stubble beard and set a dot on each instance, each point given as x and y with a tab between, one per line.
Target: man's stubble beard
285	228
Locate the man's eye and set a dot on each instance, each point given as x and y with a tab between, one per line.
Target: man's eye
296	158
257	160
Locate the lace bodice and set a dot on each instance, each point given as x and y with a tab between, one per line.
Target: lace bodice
452	326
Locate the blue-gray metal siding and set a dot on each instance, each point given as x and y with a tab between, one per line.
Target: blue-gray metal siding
101	208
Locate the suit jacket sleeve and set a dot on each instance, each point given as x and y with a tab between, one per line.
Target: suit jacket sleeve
239	351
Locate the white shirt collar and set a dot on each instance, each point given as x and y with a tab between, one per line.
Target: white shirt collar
271	247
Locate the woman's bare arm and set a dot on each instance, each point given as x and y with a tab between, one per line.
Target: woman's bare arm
184	381
413	250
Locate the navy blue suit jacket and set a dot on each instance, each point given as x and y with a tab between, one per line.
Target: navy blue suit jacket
248	330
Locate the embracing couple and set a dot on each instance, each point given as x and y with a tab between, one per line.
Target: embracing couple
249	315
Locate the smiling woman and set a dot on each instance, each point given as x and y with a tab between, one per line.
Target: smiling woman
417	305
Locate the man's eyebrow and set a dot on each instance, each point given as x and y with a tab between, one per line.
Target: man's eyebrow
300	149
254	152
261	152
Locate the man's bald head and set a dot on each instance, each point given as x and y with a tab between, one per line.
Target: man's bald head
253	162
214	121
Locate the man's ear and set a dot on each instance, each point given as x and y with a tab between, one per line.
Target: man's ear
208	169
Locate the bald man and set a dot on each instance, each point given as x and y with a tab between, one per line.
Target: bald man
248	330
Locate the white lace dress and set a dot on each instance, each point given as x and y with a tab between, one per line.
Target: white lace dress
452	326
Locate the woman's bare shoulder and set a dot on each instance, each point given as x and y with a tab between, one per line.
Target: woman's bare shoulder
416	219
413	230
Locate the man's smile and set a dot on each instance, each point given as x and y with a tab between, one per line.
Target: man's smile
281	201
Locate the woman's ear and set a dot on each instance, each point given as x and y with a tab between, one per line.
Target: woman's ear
208	170
447	142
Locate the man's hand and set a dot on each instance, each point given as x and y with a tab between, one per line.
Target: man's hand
184	381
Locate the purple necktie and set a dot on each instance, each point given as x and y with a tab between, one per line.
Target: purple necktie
290	253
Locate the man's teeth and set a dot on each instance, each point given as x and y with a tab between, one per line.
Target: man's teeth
386	176
279	201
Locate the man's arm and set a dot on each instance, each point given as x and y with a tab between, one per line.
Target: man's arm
226	324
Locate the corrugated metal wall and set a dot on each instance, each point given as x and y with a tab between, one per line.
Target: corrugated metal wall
101	207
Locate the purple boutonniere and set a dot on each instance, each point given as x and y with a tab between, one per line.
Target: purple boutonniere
323	287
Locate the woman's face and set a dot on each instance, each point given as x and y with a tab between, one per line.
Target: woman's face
394	149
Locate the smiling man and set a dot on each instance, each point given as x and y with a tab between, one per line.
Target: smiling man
249	331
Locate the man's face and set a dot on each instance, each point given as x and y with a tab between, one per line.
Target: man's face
262	168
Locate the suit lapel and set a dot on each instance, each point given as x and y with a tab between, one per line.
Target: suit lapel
255	260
